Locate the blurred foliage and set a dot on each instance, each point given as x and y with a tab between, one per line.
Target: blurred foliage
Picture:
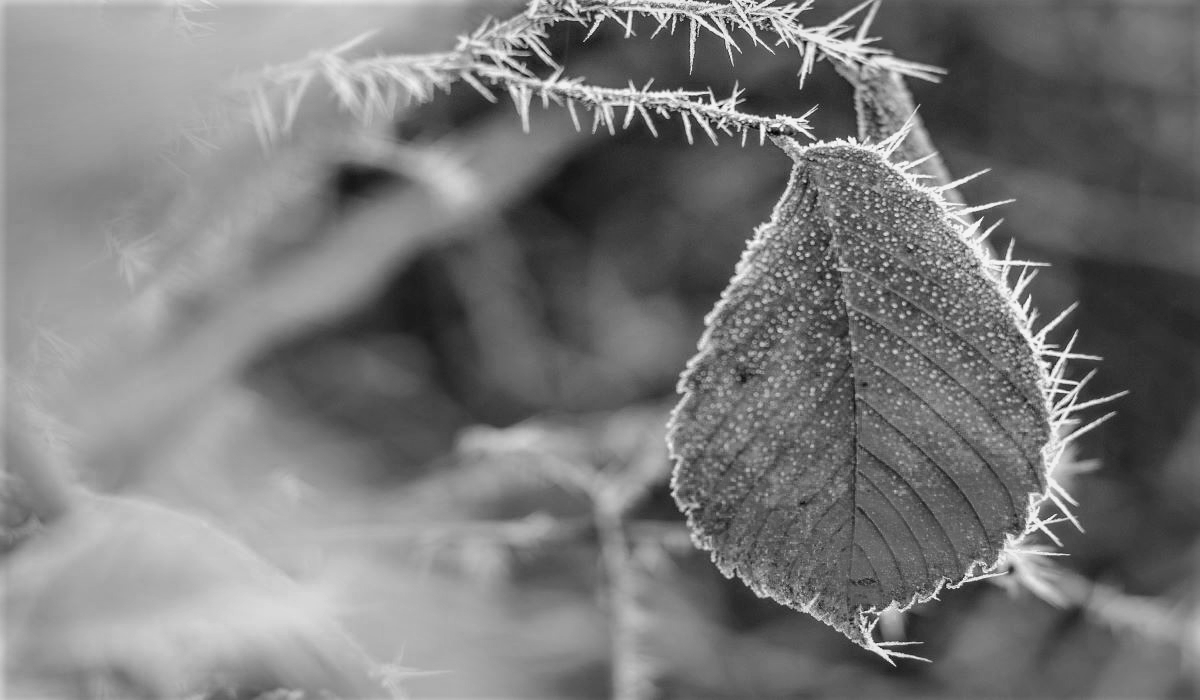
448	449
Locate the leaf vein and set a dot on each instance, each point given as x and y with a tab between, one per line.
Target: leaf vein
1005	372
773	464
920	499
912	533
886	544
950	375
966	496
734	411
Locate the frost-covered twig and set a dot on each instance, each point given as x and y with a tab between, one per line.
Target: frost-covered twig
724	20
506	54
698	107
885	107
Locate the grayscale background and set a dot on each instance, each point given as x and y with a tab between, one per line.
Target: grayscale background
421	444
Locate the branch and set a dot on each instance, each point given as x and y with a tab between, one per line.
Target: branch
700	107
633	669
885	108
723	20
499	53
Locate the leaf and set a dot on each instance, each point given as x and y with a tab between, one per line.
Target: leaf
867	419
163	604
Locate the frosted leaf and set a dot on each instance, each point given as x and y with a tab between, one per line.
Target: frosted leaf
867	417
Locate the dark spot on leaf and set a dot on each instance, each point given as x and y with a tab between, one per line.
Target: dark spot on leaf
744	373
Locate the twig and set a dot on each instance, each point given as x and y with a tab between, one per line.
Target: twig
885	108
702	108
632	668
499	54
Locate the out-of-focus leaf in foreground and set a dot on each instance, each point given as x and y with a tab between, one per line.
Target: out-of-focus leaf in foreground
153	602
867	419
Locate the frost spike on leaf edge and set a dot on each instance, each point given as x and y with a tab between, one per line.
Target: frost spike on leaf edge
1050	384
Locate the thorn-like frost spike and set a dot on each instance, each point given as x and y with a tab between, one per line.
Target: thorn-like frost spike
871	416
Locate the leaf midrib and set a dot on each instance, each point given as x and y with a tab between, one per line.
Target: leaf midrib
827	221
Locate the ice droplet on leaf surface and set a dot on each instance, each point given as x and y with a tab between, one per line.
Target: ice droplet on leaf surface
867	416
